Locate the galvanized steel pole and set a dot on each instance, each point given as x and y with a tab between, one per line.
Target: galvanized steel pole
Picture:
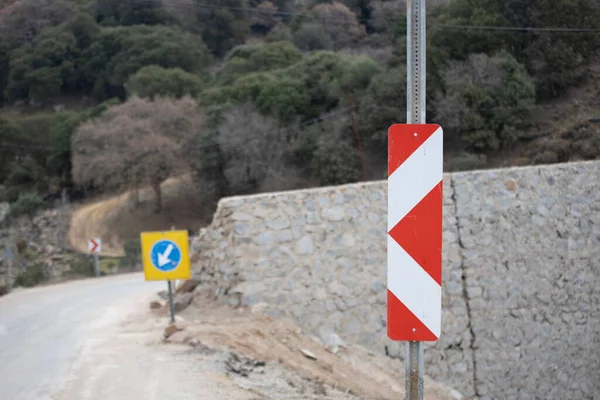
171	302
96	264
415	114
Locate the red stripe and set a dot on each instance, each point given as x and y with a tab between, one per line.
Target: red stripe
402	142
401	323
420	233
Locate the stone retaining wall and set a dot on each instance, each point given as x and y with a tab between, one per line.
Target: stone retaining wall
521	279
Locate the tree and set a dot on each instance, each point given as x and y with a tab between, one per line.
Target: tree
48	66
36	71
556	60
382	105
334	161
274	55
27	204
119	12
279	33
9	133
246	59
4	68
459	43
254	148
58	163
28	18
138	142
317	72
340	24
120	52
354	76
387	15
312	36
224	27
264	18
154	81
486	100
285	98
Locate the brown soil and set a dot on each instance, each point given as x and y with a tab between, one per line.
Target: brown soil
117	219
352	369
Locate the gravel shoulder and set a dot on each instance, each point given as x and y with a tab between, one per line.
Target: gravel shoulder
97	339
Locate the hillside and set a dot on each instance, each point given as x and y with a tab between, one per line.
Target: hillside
104	96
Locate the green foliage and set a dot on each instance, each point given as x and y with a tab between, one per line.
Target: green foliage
154	81
584	140
486	101
32	276
24	174
555	59
355	75
133	257
82	266
48	66
335	163
467	161
4	68
119	12
24	20
248	87
311	36
285	98
38	71
459	43
274	55
247	59
9	133
222	28
59	161
480	83
120	52
383	104
108	266
27	204
280	33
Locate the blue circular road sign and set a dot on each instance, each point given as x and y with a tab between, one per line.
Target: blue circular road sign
165	255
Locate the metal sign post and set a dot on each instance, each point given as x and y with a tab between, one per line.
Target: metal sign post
95	247
96	265
415	114
171	301
9	260
165	257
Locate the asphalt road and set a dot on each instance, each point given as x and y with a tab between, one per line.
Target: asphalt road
44	331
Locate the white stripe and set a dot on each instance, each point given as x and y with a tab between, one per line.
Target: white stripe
414	287
411	182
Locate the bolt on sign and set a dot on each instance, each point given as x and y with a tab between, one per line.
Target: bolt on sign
414	255
165	255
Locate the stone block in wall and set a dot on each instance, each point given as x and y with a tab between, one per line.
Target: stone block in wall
521	251
319	256
532	265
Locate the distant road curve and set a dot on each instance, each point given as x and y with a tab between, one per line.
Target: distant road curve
90	220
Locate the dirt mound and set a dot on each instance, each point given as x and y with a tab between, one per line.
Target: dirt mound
262	339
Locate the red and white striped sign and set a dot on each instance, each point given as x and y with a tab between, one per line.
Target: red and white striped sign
94	245
415	174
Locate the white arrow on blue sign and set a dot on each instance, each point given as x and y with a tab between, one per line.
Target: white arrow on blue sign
165	255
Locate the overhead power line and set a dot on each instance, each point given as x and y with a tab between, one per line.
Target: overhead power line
308	14
333	116
518	29
243	141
